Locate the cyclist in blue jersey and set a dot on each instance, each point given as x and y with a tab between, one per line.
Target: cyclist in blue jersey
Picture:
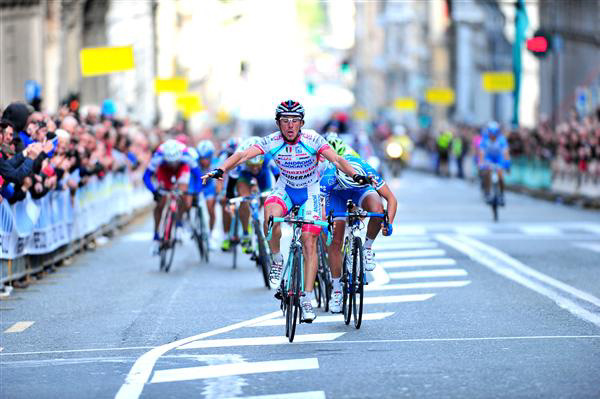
258	173
337	189
296	152
229	148
493	150
205	150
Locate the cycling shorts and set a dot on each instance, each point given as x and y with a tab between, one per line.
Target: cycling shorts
167	177
308	198
263	180
337	199
497	159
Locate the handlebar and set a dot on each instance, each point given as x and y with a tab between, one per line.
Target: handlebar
301	221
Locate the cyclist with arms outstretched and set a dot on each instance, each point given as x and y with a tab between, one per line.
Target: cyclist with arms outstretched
296	153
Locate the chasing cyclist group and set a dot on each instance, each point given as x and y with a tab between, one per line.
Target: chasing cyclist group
315	173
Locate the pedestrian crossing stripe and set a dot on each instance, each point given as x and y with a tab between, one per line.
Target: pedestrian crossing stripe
418	253
230	369
429	273
390	264
295	395
412	286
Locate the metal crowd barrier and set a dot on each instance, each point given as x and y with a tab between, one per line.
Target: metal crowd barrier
35	234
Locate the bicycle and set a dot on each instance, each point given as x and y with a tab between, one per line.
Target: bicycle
168	229
353	265
199	230
292	282
261	254
324	282
494	199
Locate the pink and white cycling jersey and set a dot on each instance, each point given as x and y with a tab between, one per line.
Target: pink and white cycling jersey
297	162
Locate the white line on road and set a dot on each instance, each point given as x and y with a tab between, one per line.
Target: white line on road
19	326
429	273
380	276
393	246
511	268
221	370
418	253
592	246
130	348
540	230
295	395
275	340
325	319
396	299
413	286
142	368
417	262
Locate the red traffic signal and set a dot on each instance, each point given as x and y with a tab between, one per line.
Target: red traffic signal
539	44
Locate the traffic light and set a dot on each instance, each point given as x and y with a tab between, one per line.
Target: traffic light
540	44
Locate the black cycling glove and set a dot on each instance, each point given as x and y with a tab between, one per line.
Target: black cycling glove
360	179
216	173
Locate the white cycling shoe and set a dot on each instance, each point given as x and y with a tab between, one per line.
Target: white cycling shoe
307	313
369	260
335	305
275	272
154	248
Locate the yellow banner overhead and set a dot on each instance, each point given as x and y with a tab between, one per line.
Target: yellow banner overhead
440	96
223	117
405	104
498	81
173	85
189	104
360	114
104	60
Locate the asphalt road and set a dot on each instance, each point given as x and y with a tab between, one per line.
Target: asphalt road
460	307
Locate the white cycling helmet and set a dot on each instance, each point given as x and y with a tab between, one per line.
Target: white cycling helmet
205	149
249	142
173	151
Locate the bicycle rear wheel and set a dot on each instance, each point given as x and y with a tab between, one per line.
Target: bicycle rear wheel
294	303
235	237
203	236
324	274
167	247
358	273
263	255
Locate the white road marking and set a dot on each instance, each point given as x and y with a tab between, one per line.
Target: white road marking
511	268
275	340
540	230
418	253
19	326
474	230
429	273
295	395
393	246
221	370
417	262
413	286
591	227
131	348
325	319
230	385
380	276
142	368
396	299
592	246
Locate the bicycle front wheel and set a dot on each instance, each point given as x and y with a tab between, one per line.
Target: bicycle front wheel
167	247
263	255
294	298
358	274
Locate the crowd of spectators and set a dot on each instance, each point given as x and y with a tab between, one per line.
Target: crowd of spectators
572	148
41	152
